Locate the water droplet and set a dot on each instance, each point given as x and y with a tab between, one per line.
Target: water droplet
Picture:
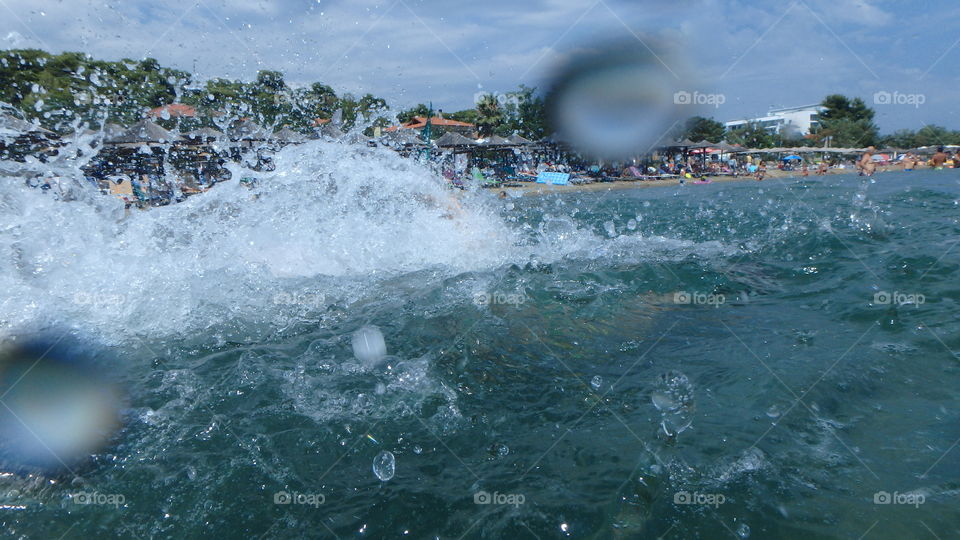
673	396
384	466
596	382
499	450
368	345
417	450
610	228
743	531
632	225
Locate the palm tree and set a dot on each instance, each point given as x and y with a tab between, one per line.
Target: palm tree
489	115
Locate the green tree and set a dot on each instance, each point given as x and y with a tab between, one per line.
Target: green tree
932	135
752	135
848	122
902	138
699	129
409	114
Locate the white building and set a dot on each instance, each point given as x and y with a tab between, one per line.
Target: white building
799	120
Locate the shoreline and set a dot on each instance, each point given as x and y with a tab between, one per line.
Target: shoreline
543	189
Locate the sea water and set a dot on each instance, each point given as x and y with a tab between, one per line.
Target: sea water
772	359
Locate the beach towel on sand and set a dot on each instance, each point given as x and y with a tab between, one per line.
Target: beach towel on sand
555	178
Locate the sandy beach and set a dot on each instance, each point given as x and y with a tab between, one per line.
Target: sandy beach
775	174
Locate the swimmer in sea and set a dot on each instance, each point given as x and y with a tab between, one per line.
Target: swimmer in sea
866	164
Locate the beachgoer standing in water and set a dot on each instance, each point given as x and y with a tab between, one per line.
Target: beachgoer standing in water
939	159
909	162
866	164
822	168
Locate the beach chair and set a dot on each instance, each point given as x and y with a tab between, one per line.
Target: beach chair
477	175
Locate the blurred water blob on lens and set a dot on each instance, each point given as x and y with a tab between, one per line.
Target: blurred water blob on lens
617	100
56	407
369	346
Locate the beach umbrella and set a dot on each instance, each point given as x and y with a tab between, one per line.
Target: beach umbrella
16	126
143	132
793	158
331	131
402	137
204	134
247	130
496	140
728	148
288	135
451	139
356	137
518	140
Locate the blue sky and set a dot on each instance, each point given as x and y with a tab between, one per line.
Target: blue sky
756	55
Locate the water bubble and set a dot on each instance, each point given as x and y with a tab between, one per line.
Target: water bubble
632	225
673	396
499	450
417	450
743	531
596	382
610	228
384	466
369	346
773	411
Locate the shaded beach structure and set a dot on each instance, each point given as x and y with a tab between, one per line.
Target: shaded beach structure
495	140
403	138
455	141
143	132
19	138
287	136
330	131
247	131
204	135
518	140
142	150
